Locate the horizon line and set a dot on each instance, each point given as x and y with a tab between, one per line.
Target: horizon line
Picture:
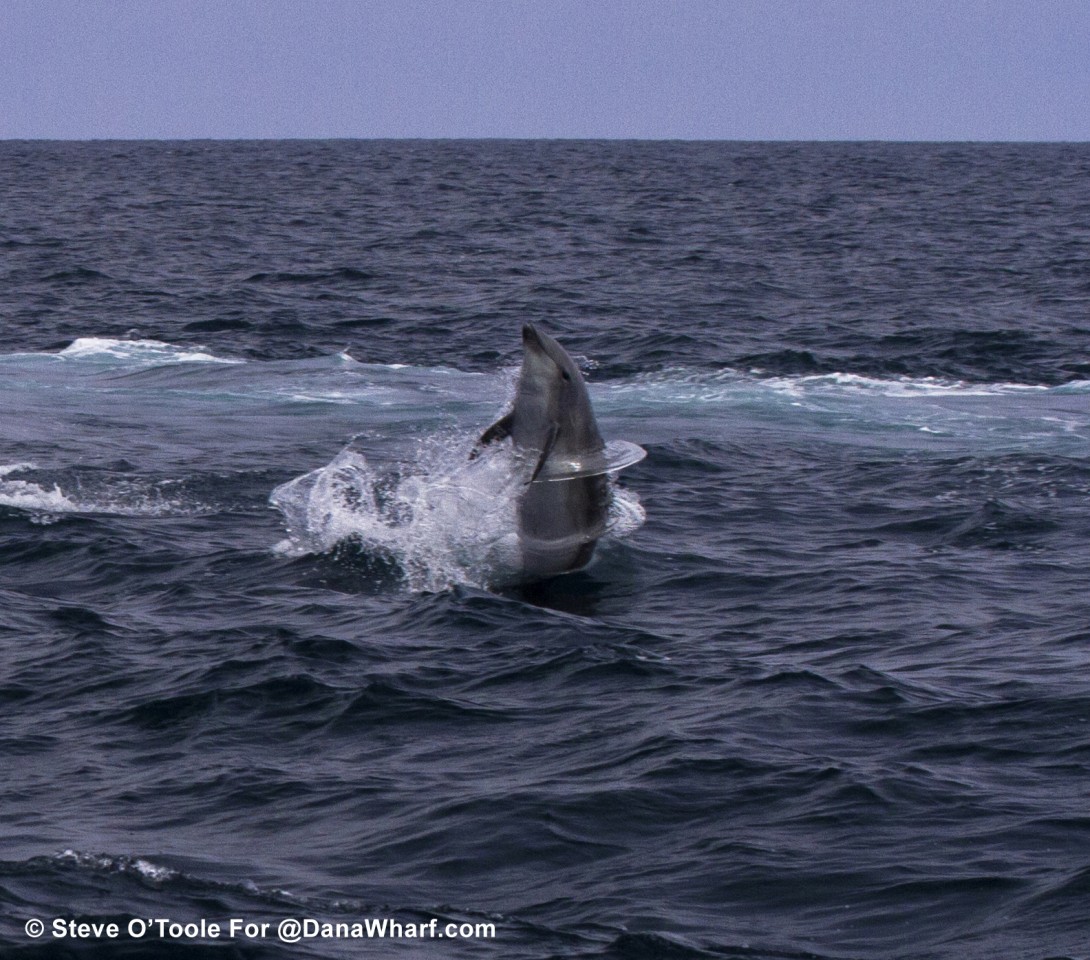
519	139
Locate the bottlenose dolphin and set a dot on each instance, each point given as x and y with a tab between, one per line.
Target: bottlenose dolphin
565	504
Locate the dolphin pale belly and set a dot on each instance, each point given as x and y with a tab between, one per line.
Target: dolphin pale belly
564	508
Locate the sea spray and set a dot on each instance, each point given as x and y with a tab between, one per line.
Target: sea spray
443	518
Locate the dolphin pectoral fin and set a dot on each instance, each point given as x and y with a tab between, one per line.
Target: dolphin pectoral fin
550	439
500	430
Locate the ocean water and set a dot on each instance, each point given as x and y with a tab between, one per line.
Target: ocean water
823	691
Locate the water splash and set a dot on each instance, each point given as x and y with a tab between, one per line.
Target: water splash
44	504
443	519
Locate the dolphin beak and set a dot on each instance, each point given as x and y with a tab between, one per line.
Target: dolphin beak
530	335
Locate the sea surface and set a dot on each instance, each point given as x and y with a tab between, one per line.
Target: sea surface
824	691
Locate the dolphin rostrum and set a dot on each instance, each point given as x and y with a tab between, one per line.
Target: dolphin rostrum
564	507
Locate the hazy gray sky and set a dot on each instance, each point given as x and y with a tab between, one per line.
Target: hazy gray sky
693	69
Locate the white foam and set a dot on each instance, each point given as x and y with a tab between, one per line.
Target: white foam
118	497
5	469
34	498
142	868
152	352
896	387
678	384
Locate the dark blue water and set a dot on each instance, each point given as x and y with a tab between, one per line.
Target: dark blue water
823	692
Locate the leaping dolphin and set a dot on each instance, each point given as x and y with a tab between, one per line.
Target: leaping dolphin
565	505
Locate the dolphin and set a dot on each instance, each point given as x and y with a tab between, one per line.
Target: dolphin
564	507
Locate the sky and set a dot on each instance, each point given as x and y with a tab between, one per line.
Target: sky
642	69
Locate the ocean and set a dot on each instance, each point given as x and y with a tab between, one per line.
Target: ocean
822	692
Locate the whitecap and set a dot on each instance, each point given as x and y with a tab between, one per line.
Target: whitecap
150	352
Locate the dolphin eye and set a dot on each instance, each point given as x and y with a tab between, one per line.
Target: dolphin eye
565	374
